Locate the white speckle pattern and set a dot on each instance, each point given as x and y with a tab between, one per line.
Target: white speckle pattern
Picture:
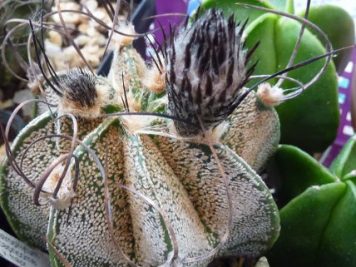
254	132
183	180
253	215
28	221
82	227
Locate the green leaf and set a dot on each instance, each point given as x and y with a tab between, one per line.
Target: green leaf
283	5
320	223
341	34
318	228
350	176
338	244
310	120
346	160
297	171
261	31
240	13
304	223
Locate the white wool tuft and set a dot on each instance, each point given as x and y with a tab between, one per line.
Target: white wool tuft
270	95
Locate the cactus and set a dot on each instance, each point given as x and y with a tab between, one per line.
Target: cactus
149	166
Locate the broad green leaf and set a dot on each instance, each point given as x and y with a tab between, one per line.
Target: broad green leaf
310	120
319	223
346	160
297	171
260	31
339	26
240	13
304	222
283	5
338	246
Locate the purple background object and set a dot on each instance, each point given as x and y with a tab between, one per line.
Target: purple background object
167	7
345	130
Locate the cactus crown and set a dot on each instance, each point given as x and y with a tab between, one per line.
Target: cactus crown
206	70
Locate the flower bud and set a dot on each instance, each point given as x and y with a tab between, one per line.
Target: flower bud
206	71
85	94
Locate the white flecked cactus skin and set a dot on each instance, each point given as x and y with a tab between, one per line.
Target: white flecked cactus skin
165	200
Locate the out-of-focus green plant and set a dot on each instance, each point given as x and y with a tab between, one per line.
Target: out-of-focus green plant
338	24
318	223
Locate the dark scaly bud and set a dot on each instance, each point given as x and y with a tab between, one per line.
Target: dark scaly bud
79	87
84	94
206	71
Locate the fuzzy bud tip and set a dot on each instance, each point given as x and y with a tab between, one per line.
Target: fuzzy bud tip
270	95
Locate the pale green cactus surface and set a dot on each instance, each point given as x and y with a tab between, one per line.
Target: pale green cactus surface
164	200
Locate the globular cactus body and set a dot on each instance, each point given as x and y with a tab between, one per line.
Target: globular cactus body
137	190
